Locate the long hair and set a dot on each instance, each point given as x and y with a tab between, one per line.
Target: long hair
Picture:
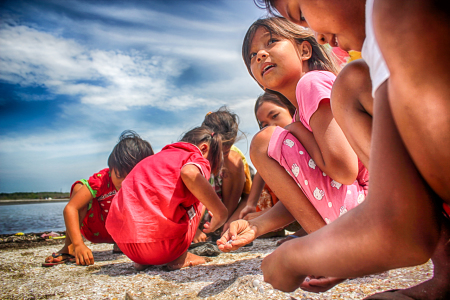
204	134
276	98
225	122
321	59
130	150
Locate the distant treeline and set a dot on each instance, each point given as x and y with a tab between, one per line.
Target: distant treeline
41	195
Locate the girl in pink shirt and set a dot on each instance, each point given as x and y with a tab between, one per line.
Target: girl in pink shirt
309	164
154	216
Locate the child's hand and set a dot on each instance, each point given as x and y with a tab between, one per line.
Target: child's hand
215	223
247	210
253	215
83	255
199	236
276	271
240	234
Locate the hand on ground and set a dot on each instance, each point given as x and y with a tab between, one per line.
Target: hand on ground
199	236
83	255
240	233
277	273
214	224
253	215
319	284
246	210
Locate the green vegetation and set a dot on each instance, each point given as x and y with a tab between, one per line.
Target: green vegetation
41	195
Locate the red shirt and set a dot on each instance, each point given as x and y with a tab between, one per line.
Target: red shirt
153	201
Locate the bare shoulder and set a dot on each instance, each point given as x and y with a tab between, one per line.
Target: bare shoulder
234	162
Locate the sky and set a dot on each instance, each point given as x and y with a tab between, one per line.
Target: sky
75	74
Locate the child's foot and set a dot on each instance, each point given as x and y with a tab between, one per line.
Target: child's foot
320	284
186	260
63	254
140	267
116	249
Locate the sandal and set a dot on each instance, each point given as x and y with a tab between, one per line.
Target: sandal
67	259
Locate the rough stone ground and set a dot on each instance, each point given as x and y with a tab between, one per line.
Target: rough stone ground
227	276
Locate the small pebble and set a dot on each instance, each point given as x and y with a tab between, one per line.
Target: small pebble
261	289
230	241
256	283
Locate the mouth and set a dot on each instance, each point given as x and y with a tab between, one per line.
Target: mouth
267	68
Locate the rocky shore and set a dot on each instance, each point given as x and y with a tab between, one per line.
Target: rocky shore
226	276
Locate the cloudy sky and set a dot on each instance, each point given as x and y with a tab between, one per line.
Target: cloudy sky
75	74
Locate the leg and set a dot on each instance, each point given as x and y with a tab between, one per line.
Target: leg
282	184
396	226
352	103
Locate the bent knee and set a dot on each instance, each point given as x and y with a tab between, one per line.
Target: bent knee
260	142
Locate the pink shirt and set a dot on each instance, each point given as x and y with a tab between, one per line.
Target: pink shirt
153	202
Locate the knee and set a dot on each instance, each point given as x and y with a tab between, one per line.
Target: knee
260	144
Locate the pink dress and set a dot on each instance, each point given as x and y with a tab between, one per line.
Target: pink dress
329	197
154	216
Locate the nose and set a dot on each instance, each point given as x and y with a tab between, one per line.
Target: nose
261	55
322	38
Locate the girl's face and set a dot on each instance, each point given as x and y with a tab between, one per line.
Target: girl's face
117	181
270	114
275	62
339	23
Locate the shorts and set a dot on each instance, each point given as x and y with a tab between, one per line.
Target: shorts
330	198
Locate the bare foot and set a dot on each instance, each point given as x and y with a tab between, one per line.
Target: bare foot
200	236
320	284
298	233
66	250
186	260
140	267
116	249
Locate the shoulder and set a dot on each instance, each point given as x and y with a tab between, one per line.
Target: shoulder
234	162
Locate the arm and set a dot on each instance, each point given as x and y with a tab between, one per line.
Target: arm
72	220
257	187
243	232
327	145
202	190
233	181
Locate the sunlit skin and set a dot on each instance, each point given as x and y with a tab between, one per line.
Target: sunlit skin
339	23
275	62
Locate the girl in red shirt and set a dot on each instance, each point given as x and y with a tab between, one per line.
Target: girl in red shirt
154	216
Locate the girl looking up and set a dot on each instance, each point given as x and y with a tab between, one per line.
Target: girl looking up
90	201
154	217
324	178
234	182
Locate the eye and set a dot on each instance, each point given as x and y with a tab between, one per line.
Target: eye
271	41
252	55
275	116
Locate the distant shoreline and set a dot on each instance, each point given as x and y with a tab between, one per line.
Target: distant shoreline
31	201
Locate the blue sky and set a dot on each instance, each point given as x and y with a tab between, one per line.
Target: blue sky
75	74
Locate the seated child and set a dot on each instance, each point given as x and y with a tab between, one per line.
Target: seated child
155	215
234	182
90	201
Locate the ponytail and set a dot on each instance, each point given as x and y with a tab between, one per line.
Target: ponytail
205	134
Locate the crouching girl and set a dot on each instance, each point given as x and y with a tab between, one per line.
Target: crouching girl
154	217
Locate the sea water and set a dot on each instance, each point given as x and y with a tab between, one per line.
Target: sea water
36	217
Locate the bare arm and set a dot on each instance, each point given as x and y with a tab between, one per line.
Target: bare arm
327	145
202	190
257	187
233	181
72	220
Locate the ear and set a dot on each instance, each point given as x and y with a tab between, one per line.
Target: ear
305	50
204	148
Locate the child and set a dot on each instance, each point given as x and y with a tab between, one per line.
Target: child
271	109
409	158
325	178
90	201
234	182
154	216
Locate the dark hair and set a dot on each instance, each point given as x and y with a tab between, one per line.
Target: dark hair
224	122
321	58
204	134
267	5
276	98
130	150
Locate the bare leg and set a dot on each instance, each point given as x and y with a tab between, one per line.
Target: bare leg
396	226
352	103
68	247
282	184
